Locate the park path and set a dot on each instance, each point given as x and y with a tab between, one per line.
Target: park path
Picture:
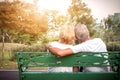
9	75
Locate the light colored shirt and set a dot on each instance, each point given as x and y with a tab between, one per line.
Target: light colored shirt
93	45
60	69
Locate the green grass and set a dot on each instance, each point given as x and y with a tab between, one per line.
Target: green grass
10	50
8	47
7	64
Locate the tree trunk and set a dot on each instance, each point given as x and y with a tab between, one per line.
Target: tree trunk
3	37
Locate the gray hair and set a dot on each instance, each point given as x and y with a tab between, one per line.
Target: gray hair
81	32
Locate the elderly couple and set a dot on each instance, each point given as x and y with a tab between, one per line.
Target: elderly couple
65	46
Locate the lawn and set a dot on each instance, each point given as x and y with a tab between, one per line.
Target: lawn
10	61
7	63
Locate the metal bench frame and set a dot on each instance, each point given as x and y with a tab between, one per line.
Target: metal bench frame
27	60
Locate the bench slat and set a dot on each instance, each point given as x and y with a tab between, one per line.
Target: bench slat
84	59
70	76
26	60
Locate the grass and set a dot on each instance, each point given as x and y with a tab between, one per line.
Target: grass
10	57
7	63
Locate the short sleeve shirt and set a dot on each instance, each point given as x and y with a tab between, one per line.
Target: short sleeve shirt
93	45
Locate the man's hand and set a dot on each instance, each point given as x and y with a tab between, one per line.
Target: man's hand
59	52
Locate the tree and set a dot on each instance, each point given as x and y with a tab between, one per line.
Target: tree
18	18
112	33
56	21
79	12
112	26
22	17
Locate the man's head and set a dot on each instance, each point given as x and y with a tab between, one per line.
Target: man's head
81	32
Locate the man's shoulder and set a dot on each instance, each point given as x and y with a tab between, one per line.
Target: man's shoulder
93	42
96	40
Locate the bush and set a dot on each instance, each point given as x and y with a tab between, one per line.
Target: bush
33	48
113	46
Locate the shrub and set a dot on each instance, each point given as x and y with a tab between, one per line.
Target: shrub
113	46
33	48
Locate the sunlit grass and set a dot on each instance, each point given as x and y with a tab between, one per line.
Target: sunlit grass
8	48
10	61
6	63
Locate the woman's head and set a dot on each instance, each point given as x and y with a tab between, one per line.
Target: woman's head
81	32
67	35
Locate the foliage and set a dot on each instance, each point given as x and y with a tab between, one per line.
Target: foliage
99	31
112	32
56	21
20	22
79	12
112	26
113	46
17	19
32	48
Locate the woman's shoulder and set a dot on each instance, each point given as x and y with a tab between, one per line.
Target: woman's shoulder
54	43
59	45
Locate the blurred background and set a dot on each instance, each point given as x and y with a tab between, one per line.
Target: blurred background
26	25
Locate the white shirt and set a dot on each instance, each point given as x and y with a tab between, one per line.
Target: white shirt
93	45
60	69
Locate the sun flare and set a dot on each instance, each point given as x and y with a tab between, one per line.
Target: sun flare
59	5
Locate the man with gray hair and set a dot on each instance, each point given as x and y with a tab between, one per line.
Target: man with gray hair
86	44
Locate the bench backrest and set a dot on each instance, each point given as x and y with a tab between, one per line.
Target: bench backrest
45	59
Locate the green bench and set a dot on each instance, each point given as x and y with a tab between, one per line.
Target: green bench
28	60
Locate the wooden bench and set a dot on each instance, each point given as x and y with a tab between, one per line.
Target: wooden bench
27	60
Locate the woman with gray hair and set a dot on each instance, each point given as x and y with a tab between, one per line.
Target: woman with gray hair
86	44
